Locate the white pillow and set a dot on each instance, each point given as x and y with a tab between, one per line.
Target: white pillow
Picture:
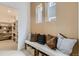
60	37
66	45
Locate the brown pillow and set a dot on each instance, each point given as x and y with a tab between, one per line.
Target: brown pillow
48	37
34	37
51	42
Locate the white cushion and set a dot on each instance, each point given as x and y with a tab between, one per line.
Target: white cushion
60	37
46	49
66	45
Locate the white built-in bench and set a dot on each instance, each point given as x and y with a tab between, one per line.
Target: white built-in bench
44	49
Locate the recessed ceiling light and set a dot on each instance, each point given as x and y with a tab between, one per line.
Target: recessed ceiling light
9	11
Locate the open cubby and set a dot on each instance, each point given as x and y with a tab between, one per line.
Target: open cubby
8	31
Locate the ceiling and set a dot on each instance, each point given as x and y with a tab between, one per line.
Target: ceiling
7	13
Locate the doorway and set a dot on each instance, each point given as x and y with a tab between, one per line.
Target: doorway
8	28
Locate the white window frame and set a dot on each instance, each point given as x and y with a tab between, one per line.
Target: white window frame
39	9
50	4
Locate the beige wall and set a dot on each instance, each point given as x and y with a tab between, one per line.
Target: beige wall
78	28
66	21
6	16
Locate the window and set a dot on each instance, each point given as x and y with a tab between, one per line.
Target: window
51	11
39	13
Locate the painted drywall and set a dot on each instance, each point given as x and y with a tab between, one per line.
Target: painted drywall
7	14
23	17
66	21
78	28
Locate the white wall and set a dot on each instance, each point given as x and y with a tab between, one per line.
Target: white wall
23	25
23	19
78	28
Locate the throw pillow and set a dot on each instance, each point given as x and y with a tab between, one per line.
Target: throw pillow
41	39
34	37
65	44
48	37
52	43
59	40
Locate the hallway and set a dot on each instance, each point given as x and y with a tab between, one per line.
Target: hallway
9	48
11	53
8	45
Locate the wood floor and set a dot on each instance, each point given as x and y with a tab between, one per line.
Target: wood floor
11	53
8	45
9	48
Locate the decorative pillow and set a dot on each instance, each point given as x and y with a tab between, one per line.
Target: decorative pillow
41	39
60	38
34	37
65	44
52	43
48	37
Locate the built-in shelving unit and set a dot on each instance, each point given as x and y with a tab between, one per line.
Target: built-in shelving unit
15	31
8	31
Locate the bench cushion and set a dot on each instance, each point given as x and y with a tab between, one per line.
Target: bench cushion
45	49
